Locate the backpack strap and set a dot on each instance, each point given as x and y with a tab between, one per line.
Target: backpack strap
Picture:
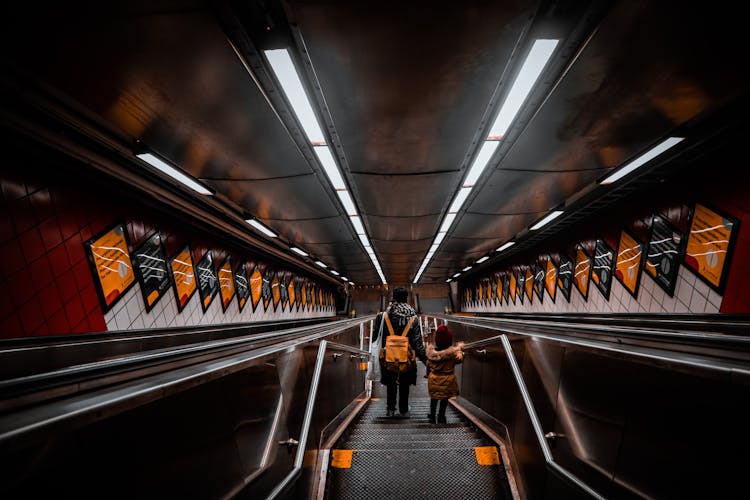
388	323
408	326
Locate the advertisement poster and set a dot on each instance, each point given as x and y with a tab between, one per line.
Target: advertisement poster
513	286
709	245
506	287
550	279
539	281
242	284
497	289
226	283
565	275
666	246
528	283
292	293
208	283
110	263
601	272
520	278
304	295
320	297
183	277
480	292
283	290
628	263
151	267
256	286
582	272
268	277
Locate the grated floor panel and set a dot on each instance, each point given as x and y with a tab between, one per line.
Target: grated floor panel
409	458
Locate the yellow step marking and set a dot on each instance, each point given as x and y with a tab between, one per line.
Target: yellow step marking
363	366
374	399
342	459
487	455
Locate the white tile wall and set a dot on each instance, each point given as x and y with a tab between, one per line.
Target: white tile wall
130	314
691	295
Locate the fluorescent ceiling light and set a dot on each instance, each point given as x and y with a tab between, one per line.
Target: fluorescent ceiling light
363	239
480	162
459	200
644	158
505	246
346	200
329	166
352	283
449	280
550	217
334	272
482	259
286	74
344	278
457	275
321	264
357	223
299	251
532	67
466	268
260	227
439	239
449	218
173	172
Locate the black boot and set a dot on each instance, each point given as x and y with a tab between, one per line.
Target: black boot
441	419
431	418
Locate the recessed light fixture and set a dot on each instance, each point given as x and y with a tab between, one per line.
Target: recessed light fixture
335	273
260	227
483	259
505	246
299	251
549	218
344	278
321	264
449	280
643	159
174	172
466	268
457	275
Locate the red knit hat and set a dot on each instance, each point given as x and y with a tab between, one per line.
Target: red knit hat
443	337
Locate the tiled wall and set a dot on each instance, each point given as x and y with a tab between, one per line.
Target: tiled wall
691	296
47	212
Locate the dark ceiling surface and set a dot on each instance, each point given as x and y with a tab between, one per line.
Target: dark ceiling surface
406	91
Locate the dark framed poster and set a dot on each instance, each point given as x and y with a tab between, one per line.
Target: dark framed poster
292	292
283	290
151	268
628	263
226	283
550	278
480	292
320	298
183	277
256	286
710	243
242	285
305	294
565	275
666	246
109	259
582	271
513	285
208	283
506	287
268	277
539	281
520	280
497	289
528	283
601	271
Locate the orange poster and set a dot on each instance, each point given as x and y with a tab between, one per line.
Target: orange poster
582	272
183	276
528	284
111	265
226	283
513	287
276	292
303	295
628	263
709	243
242	284
550	279
291	293
256	287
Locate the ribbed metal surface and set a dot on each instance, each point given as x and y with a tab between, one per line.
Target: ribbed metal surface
410	458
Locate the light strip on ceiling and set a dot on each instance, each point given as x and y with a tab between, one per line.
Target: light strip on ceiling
299	251
174	173
357	223
505	246
643	159
466	268
321	264
483	259
286	73
549	218
260	227
539	55
335	273
535	62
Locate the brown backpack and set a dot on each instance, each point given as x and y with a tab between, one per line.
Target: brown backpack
397	355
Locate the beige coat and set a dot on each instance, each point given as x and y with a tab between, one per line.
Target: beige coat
441	382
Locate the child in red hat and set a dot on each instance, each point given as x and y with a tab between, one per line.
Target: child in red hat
441	381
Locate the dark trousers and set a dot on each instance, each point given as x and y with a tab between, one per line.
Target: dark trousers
403	397
441	409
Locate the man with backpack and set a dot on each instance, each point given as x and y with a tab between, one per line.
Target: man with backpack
400	335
